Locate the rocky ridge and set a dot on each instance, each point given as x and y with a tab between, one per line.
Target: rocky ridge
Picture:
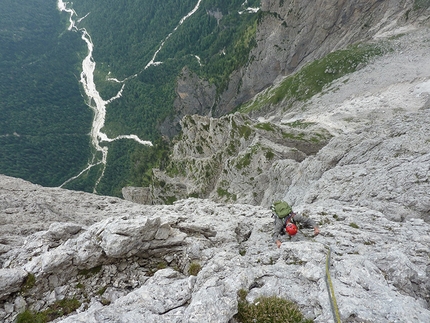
228	159
134	265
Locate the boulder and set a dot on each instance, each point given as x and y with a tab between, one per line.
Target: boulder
11	280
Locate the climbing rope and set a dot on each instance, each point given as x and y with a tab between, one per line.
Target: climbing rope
329	283
330	288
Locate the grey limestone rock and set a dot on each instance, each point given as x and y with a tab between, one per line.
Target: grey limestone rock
379	267
11	280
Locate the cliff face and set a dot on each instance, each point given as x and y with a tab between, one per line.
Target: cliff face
194	96
293	33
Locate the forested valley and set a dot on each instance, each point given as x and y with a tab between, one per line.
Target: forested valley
44	122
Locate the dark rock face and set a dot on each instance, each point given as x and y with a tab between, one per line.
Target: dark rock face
194	96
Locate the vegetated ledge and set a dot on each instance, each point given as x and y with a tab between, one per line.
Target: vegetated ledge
314	77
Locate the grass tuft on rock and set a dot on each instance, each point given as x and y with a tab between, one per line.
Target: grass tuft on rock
29	282
421	4
89	272
270	309
56	310
30	317
194	268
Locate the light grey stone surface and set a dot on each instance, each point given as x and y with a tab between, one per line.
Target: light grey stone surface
379	267
11	280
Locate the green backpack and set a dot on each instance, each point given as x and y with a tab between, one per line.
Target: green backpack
281	209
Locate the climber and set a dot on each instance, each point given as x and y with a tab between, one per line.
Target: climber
288	224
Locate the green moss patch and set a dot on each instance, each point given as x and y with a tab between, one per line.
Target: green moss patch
56	310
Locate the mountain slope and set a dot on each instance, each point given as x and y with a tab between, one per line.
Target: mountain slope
136	49
379	101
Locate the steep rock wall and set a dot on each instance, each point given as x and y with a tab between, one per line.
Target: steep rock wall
289	35
293	33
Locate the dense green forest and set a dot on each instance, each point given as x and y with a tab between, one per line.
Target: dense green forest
44	121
